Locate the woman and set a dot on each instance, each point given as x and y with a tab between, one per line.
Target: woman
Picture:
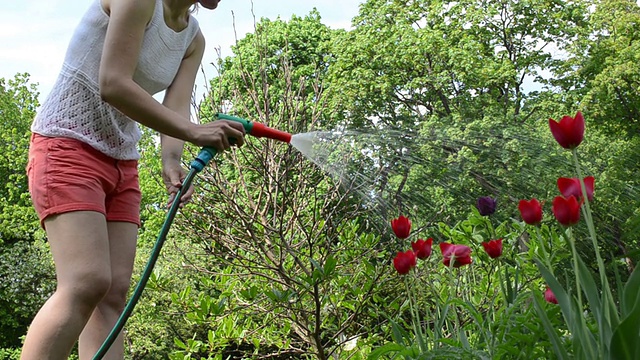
82	166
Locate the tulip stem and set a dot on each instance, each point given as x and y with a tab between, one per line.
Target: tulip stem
489	281
492	231
504	286
592	232
415	318
572	242
547	255
587	213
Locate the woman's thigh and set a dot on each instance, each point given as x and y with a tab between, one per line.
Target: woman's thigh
79	245
122	249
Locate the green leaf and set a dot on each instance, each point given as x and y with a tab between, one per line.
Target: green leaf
595	304
384	350
330	265
564	301
625	343
316	265
631	295
442	316
558	346
179	343
584	340
400	335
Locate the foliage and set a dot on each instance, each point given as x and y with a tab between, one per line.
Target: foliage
27	281
409	60
10	353
600	325
276	258
25	272
18	102
252	84
479	310
602	68
603	327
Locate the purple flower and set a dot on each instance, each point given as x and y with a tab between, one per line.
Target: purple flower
486	205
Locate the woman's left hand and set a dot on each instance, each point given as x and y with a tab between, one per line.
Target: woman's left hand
173	175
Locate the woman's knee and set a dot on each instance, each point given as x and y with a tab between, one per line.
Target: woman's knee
88	288
116	297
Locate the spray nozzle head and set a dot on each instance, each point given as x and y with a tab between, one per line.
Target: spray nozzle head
258	129
261	130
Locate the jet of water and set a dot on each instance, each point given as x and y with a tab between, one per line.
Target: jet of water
438	177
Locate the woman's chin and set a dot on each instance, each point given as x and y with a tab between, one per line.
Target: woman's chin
209	4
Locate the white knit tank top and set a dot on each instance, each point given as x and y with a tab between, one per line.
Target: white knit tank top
74	108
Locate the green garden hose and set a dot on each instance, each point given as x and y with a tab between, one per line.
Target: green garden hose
197	165
144	278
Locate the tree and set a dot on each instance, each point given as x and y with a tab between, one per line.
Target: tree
27	281
601	76
284	249
18	102
25	272
253	85
450	60
607	63
445	81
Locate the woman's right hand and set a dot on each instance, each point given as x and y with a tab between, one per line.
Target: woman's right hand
219	134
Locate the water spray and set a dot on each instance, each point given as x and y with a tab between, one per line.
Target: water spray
197	165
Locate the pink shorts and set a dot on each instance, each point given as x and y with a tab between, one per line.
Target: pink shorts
69	175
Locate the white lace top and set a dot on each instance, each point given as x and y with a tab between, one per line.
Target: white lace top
74	108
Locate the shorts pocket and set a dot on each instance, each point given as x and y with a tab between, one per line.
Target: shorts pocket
29	166
64	144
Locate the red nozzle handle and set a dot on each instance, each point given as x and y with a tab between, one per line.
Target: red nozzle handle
261	130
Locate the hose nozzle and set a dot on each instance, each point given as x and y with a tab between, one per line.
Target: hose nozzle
261	130
257	129
251	128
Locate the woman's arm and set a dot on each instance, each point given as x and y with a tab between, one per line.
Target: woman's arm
178	95
178	98
127	22
123	41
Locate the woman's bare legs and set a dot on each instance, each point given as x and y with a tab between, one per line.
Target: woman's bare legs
79	244
122	249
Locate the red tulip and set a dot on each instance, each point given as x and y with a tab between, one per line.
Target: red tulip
422	248
404	261
493	248
458	254
566	210
569	131
531	211
550	296
571	186
401	227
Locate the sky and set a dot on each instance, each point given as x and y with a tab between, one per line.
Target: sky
34	34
